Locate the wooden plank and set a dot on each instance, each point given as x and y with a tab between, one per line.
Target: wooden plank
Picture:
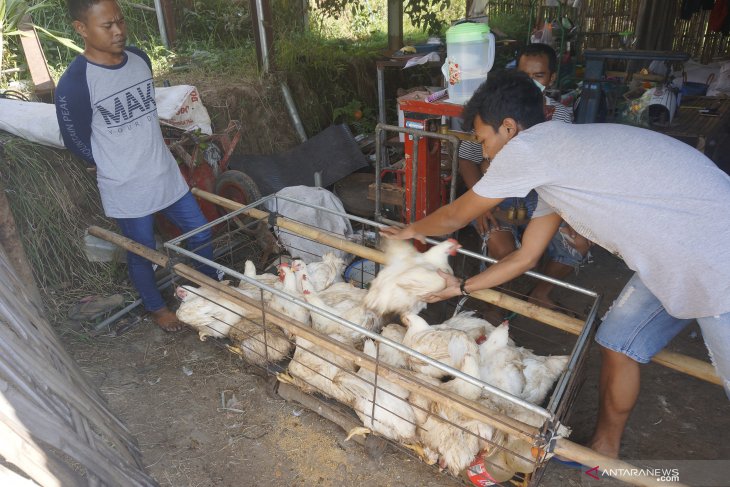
36	59
390	194
683	363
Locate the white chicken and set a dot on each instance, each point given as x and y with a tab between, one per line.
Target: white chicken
253	291
312	369
207	312
449	444
258	345
451	347
348	308
391	416
541	372
388	354
472	325
455	438
408	277
501	364
518	370
289	285
518	455
324	273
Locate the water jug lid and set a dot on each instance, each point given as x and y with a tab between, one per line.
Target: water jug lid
467	32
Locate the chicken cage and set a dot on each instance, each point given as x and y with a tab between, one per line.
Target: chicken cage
316	335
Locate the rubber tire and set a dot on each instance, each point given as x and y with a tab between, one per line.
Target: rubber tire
237	186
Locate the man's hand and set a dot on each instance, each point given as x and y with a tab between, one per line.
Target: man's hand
407	233
451	290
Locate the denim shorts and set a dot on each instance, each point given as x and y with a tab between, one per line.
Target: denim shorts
638	326
560	248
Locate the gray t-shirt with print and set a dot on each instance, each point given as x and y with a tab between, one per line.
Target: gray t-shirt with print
657	202
108	117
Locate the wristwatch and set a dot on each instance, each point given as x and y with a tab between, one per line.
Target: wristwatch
461	287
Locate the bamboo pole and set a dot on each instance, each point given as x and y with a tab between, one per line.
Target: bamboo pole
470	409
604	465
682	363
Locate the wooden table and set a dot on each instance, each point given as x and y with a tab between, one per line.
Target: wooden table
689	123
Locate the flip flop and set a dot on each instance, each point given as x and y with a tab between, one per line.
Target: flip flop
567	463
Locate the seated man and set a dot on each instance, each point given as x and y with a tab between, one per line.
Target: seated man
654	200
568	250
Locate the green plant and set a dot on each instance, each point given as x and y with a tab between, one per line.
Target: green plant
216	23
12	14
424	14
356	113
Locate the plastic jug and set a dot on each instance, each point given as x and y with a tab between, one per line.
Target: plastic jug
469	57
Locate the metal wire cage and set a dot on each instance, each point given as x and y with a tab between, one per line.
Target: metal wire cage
446	416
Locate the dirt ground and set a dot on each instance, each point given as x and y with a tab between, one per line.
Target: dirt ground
204	418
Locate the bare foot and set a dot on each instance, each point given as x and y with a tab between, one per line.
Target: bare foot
167	320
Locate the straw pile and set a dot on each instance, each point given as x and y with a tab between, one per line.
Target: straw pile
54	199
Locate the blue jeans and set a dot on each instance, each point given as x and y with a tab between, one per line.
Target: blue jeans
186	215
638	326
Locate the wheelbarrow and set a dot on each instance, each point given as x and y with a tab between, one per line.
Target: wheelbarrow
203	162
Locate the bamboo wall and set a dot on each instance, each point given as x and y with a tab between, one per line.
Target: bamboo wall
600	21
55	428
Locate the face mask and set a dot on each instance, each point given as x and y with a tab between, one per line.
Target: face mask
539	85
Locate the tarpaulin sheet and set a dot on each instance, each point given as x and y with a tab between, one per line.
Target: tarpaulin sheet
333	151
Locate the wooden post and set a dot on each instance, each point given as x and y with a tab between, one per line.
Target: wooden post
37	65
170	18
395	25
682	363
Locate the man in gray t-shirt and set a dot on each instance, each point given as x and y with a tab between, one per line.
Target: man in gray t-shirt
656	202
105	104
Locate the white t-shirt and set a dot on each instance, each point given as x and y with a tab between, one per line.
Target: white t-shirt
658	203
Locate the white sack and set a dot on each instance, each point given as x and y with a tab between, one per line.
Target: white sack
33	121
300	247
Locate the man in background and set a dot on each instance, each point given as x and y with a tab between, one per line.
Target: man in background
567	250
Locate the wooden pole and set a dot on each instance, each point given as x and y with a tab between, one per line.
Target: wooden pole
395	25
36	59
682	363
405	379
589	458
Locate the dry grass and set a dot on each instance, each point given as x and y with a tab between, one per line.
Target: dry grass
53	200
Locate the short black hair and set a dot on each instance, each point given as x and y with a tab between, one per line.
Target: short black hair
538	49
77	8
507	94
